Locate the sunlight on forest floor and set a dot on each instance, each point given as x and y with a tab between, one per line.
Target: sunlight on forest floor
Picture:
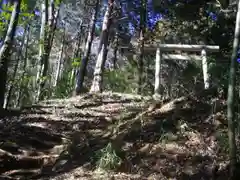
105	137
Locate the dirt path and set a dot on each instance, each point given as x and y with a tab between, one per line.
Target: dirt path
60	139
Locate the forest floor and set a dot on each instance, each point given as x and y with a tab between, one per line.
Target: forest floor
76	138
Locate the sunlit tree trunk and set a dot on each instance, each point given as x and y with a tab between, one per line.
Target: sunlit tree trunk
24	66
75	57
82	71
6	48
43	62
53	17
11	86
48	27
231	99
59	61
141	45
102	50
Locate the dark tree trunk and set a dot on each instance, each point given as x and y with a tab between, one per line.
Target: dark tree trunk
6	48
82	71
141	45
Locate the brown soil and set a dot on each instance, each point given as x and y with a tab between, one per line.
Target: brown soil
58	139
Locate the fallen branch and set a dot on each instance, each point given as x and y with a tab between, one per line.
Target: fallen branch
22	171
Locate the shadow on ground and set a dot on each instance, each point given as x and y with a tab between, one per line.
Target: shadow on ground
56	140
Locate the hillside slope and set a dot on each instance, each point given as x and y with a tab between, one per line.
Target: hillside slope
69	138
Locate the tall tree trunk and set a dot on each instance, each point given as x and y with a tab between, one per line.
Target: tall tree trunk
18	57
6	48
102	50
231	99
25	59
54	14
82	71
59	62
115	52
75	56
49	21
43	66
141	45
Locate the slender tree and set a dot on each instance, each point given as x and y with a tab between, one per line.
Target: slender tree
18	58
115	52
141	45
75	56
6	49
231	99
102	49
24	68
59	61
83	67
48	27
43	62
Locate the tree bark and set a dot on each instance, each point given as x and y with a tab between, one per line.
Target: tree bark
49	21
102	50
18	57
82	71
76	55
43	64
231	99
59	62
141	45
6	48
115	53
25	64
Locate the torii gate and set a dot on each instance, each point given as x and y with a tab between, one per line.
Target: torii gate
160	48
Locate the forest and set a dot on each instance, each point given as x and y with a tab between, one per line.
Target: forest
119	90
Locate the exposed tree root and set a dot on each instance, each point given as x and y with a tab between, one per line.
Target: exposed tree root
10	161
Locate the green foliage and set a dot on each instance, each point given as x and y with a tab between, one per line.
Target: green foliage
107	158
76	62
44	78
5	16
28	15
63	88
58	2
121	80
24	6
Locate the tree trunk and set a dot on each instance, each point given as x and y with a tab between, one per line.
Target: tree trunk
158	65
54	14
49	20
141	45
18	57
102	50
43	63
115	53
25	58
82	71
231	99
75	55
59	62
6	48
